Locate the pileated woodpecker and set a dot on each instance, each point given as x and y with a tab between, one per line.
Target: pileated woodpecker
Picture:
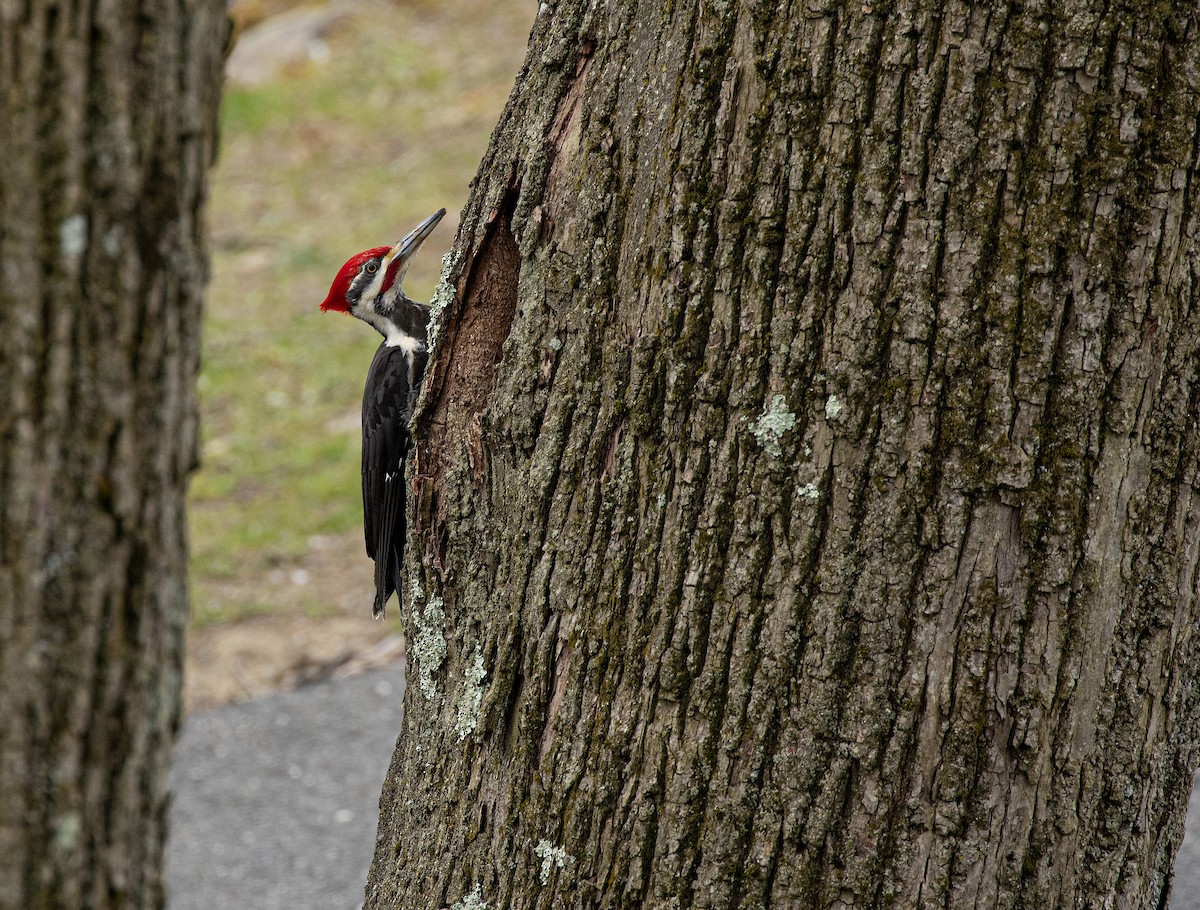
368	286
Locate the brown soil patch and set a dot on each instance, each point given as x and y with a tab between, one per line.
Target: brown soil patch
271	653
319	626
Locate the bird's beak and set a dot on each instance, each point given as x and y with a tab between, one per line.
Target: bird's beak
398	258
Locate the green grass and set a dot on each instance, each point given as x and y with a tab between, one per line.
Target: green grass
325	161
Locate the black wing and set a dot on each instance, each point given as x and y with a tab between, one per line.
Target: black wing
387	406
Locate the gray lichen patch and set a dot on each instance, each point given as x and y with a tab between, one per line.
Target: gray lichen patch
72	236
833	407
471	901
429	645
552	857
471	698
772	424
443	296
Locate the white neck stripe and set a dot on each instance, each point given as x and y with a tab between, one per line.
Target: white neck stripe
404	341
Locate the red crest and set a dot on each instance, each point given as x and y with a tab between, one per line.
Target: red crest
336	300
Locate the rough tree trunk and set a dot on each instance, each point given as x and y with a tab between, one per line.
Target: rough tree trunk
827	535
107	123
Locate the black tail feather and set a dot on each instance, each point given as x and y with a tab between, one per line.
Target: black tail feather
383	591
389	556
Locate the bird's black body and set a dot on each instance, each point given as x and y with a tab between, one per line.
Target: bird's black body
390	394
368	287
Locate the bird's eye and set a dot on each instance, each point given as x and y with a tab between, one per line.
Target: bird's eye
372	267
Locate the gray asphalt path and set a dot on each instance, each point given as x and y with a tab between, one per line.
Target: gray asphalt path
1185	893
276	799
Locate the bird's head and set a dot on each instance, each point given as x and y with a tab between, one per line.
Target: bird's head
368	285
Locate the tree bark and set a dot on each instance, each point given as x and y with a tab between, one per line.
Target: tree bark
109	121
807	479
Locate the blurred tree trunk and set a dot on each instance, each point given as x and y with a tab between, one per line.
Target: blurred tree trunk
827	534
108	116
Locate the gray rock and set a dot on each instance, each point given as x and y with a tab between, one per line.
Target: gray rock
262	50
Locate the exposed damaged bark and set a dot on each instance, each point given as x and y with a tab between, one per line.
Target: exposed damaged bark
476	325
827	535
107	131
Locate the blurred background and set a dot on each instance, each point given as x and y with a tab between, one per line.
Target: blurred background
343	125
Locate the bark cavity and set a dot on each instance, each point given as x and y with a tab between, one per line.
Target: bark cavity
464	372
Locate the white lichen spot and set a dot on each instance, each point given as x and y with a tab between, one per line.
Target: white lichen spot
58	560
471	698
113	238
556	344
72	236
66	832
443	296
472	901
661	500
415	591
809	491
551	857
772	424
833	408
429	645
